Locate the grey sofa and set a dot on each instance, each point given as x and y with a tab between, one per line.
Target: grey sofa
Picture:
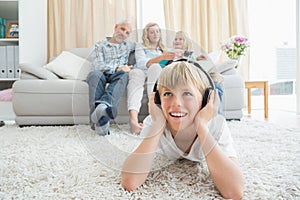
42	98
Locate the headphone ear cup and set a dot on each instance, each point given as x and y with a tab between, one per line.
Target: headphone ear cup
206	97
157	98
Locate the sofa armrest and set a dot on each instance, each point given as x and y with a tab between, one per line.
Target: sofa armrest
38	72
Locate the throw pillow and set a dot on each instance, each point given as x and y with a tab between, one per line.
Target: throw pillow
69	66
6	95
37	72
225	66
207	64
210	63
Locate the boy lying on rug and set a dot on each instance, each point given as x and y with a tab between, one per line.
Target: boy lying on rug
180	125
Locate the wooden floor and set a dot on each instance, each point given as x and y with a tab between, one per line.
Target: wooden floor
283	118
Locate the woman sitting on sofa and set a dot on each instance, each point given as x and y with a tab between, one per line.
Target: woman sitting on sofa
148	55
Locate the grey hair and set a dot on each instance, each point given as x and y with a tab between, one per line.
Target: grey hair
124	21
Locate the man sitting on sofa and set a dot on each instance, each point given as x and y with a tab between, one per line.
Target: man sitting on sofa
110	58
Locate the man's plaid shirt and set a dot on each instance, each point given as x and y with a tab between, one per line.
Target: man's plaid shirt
108	56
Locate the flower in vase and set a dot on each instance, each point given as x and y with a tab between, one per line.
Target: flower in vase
235	46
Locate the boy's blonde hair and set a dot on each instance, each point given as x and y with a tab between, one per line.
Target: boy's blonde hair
182	73
145	38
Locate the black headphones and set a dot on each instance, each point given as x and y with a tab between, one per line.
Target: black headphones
206	93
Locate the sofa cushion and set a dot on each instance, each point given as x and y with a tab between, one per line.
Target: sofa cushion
69	66
131	58
207	64
82	52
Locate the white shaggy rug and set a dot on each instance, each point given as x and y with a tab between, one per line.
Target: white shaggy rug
71	162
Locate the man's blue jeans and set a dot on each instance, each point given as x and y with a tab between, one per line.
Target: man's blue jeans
106	89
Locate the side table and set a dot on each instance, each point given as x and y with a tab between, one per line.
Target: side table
258	84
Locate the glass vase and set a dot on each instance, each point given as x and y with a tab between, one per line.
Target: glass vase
238	59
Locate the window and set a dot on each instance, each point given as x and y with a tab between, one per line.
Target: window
272	33
281	87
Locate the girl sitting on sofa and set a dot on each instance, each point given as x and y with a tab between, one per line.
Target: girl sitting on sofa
183	43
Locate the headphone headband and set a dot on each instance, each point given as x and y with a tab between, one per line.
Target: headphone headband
206	93
211	82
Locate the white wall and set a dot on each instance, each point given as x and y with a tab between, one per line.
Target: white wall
33	32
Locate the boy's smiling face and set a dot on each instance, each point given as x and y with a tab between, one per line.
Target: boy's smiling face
180	106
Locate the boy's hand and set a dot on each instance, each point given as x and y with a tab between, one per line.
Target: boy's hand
210	110
154	110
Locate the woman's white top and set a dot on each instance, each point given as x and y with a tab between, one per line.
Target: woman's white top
143	55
